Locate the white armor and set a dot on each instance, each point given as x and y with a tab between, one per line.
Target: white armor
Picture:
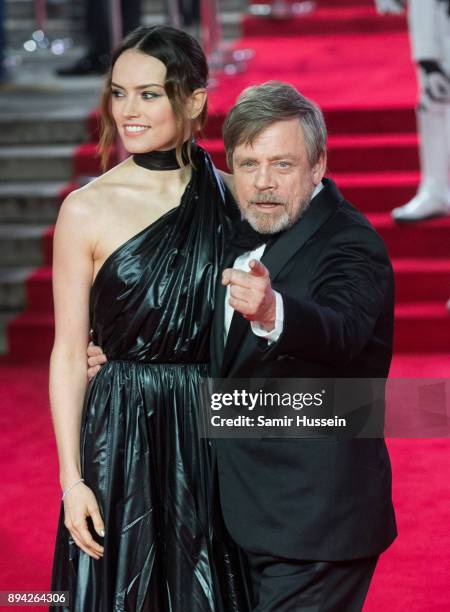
429	28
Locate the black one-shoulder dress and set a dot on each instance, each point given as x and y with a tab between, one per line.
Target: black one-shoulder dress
141	452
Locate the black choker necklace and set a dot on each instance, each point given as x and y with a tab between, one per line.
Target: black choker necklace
160	160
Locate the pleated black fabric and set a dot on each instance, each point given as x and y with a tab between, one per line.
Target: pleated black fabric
151	311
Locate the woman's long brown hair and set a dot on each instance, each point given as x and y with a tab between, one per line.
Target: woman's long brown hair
186	71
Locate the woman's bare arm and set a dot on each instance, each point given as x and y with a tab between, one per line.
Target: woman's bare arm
74	243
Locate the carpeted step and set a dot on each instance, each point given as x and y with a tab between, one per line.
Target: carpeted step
420	365
30	202
22	245
370	120
30	336
13	293
373	153
87	160
65	127
354	154
347	154
428	239
326	20
355	120
421	326
346	74
39	290
51	163
416	280
378	192
347	121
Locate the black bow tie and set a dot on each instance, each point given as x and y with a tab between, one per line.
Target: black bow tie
244	238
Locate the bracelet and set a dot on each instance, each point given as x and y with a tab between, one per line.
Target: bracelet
71	487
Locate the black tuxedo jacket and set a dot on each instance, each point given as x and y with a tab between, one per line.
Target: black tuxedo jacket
313	499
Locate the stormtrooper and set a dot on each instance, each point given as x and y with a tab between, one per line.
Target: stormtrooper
429	28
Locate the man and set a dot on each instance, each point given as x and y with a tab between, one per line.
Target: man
429	29
312	515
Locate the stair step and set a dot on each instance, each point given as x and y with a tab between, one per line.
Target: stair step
87	162
423	326
36	163
30	336
427	239
430	322
6	318
373	153
355	153
355	120
30	202
359	174
378	191
60	126
425	365
39	290
381	121
323	21
13	288
22	245
416	280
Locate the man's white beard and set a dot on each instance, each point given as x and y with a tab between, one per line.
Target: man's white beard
265	224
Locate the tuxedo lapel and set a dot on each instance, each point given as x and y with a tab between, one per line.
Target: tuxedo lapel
238	328
291	241
218	324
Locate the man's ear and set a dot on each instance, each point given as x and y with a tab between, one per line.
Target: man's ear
197	102
319	169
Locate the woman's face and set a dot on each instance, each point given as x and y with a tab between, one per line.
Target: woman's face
140	107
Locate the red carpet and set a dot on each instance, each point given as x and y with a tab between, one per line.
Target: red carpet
341	56
412	575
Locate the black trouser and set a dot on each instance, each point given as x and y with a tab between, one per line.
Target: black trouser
98	23
280	585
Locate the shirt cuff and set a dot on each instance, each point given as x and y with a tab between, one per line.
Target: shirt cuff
275	333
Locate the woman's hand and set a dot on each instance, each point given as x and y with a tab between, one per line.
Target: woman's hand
79	503
96	358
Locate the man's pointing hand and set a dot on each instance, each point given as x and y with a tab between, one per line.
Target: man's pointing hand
251	293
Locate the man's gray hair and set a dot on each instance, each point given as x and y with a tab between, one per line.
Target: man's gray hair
261	105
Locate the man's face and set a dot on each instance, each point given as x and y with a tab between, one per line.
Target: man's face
273	178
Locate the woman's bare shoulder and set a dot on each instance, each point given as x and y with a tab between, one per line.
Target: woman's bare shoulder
90	200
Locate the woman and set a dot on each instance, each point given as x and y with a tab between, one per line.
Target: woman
136	256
